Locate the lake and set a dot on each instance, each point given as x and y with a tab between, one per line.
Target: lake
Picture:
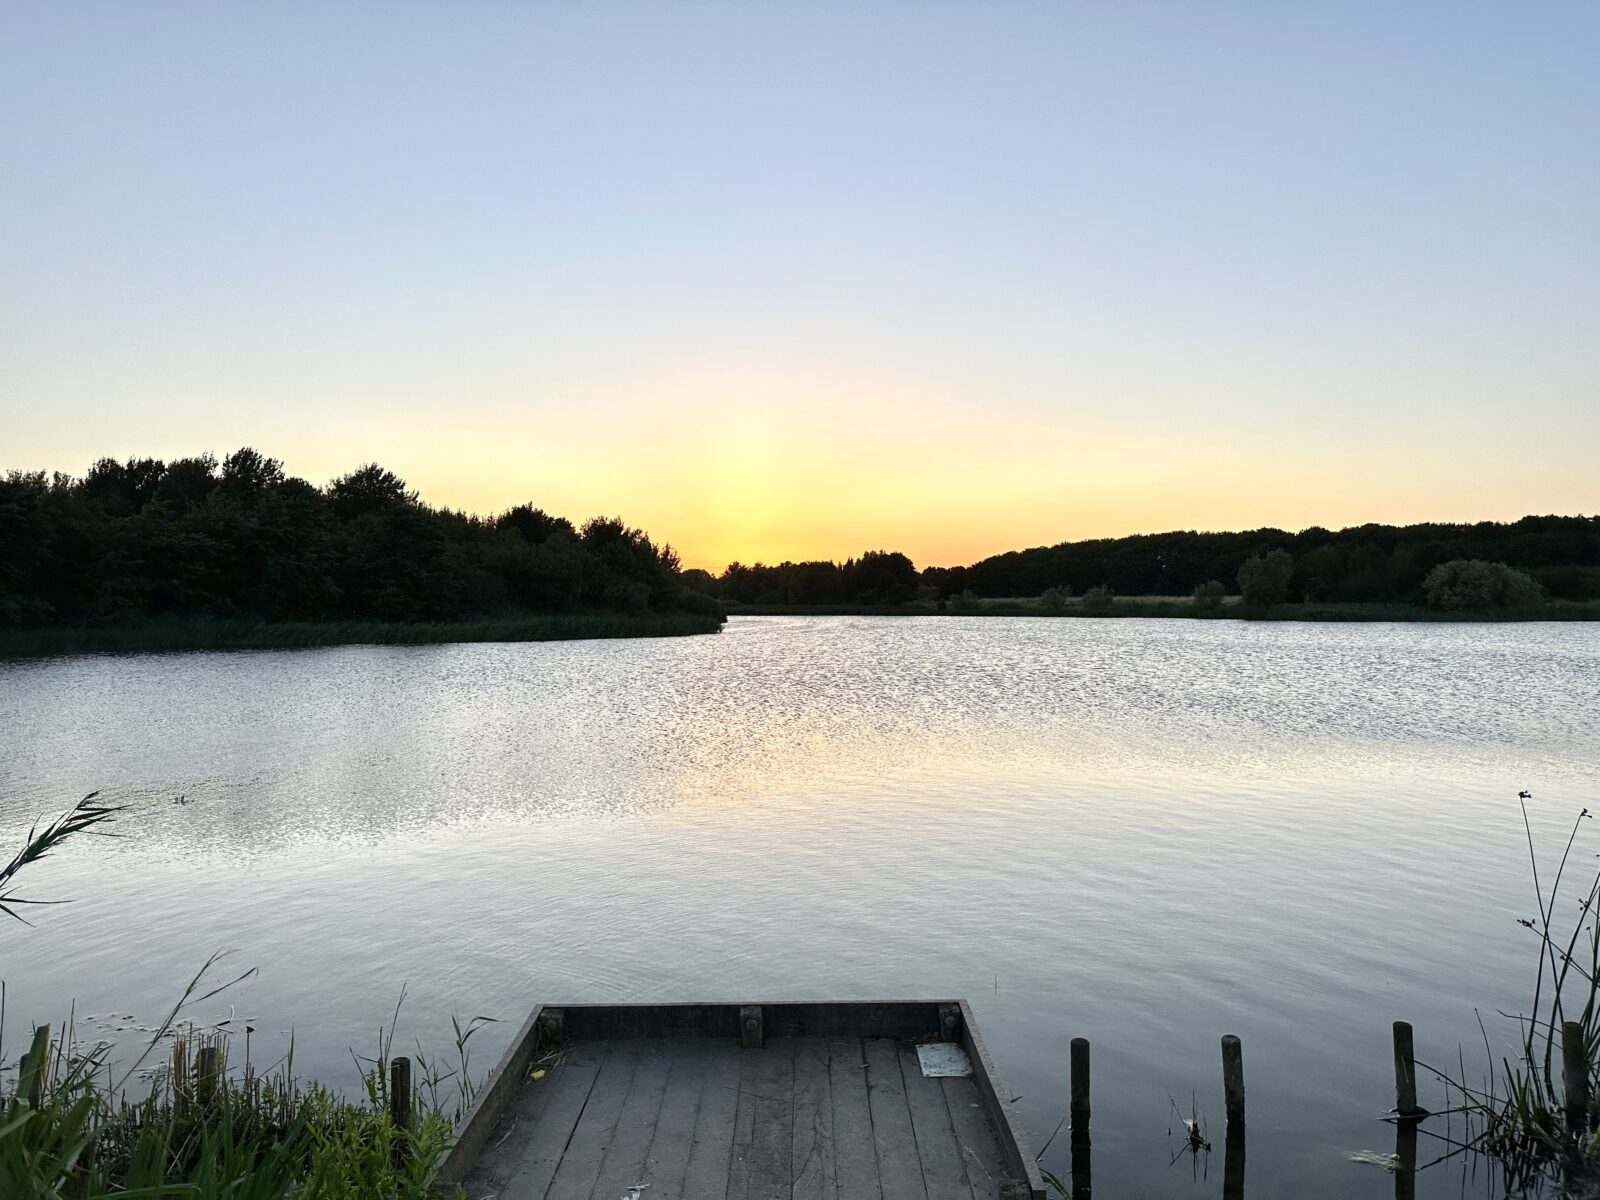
1148	833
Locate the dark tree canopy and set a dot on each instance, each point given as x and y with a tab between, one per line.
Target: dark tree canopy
142	539
877	577
1367	563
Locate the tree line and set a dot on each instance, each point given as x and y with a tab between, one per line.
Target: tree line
145	539
1363	564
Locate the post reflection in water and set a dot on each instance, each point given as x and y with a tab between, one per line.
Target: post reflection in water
1080	1164
1233	1163
1405	1153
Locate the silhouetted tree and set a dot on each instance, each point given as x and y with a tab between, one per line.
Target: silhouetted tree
1264	578
534	524
368	489
141	539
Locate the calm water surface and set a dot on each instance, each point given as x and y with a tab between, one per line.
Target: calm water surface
1147	833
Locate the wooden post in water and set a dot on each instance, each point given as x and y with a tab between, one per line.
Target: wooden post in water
1233	1080
1080	1086
1575	1071
400	1107
1405	1072
208	1073
1233	1100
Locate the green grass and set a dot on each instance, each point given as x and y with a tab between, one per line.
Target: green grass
256	635
240	1136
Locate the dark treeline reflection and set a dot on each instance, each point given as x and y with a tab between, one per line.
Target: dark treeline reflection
146	539
1364	564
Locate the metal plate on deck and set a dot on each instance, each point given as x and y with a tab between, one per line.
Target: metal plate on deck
943	1060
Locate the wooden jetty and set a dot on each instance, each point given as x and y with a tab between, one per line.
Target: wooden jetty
754	1101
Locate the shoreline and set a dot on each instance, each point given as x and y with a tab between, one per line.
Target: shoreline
1183	610
286	635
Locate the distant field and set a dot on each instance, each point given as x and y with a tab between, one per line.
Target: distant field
1231	608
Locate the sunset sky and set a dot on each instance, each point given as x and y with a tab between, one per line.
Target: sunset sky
780	281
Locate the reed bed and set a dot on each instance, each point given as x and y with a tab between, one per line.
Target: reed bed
214	634
204	1131
196	1128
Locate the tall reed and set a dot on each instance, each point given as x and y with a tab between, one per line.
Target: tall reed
1516	1113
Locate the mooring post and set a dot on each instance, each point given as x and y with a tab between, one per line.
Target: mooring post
1233	1079
208	1074
1079	1108
1405	1072
1575	1070
400	1108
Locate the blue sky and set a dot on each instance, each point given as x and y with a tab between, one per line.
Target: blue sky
799	280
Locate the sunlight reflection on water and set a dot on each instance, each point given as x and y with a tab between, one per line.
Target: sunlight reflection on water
1143	832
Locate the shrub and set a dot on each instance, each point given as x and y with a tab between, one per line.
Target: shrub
1470	584
1210	593
1099	596
1054	599
1264	581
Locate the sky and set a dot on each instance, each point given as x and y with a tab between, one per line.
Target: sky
800	280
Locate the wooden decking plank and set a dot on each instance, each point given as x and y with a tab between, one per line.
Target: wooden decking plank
597	1127
943	1171
568	1086
625	1158
899	1167
854	1156
770	1173
737	1186
667	1160
815	1176
975	1135
672	1103
502	1154
711	1153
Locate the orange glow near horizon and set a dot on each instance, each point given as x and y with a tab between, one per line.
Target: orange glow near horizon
819	466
